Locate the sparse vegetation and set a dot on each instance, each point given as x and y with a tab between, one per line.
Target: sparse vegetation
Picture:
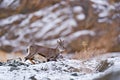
88	53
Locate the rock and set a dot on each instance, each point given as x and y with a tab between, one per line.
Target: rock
7	48
32	78
102	66
14	68
74	74
1	63
15	62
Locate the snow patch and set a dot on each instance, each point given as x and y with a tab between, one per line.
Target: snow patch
77	9
81	16
7	3
11	19
82	32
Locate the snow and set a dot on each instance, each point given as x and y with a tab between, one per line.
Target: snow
7	3
103	8
63	69
77	9
81	16
46	24
26	21
105	11
36	24
52	70
102	2
102	20
11	19
82	32
72	22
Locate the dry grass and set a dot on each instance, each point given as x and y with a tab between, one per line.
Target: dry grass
88	53
4	56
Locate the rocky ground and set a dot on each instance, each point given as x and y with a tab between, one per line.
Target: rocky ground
105	67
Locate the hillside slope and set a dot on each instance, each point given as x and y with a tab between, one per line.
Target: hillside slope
74	21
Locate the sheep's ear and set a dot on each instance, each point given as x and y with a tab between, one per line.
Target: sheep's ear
60	42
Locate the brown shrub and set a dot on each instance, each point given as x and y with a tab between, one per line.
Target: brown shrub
88	53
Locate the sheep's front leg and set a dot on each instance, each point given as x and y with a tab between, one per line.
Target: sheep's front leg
31	61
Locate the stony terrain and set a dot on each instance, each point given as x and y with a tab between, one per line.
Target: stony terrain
63	69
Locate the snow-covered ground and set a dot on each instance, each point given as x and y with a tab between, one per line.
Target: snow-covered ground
67	69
